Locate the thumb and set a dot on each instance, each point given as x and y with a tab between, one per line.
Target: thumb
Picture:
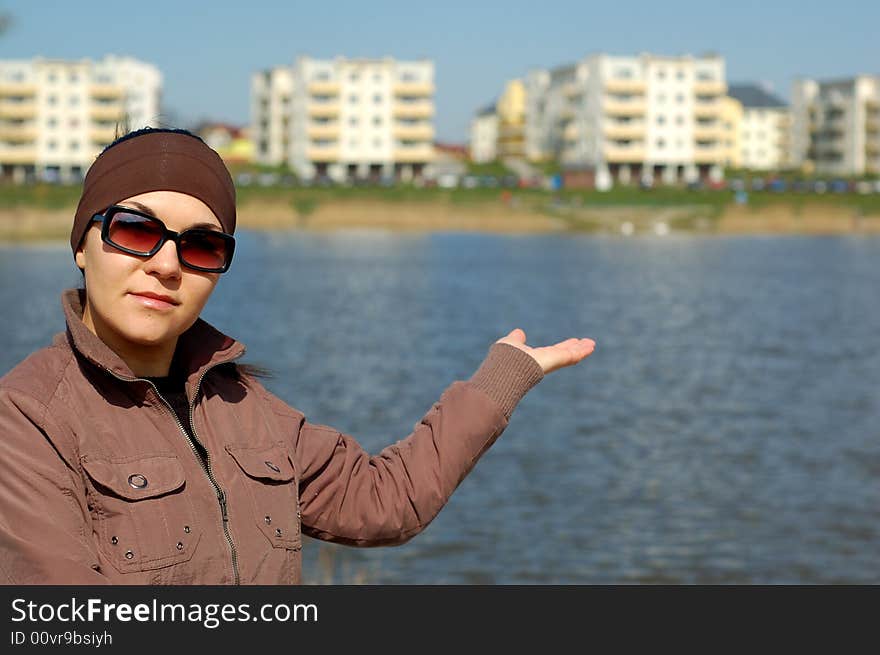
515	336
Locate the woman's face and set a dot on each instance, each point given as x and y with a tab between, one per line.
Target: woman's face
129	322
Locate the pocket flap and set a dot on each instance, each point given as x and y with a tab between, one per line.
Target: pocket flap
136	477
264	463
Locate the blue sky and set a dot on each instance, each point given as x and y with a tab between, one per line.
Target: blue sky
207	51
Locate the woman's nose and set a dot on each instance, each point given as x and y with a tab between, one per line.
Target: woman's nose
165	262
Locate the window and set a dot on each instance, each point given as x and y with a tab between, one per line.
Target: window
377	98
353	121
661	119
52	100
73	77
74	145
679	98
354	77
661	73
353	99
52	122
74	122
661	143
679	120
52	145
377	120
679	74
74	101
377	143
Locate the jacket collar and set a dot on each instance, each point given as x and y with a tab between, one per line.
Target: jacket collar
198	349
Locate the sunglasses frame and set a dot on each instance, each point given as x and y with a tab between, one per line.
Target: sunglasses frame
106	218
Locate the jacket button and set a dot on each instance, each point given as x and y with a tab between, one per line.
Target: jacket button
277	532
179	545
114	540
137	481
272	466
268	520
129	554
186	529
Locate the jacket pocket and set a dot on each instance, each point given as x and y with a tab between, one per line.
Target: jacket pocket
143	516
271	483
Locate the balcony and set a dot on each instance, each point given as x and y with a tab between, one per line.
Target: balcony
112	91
709	154
17	89
18	155
709	88
417	89
102	134
707	109
18	134
708	132
872	125
631	130
413	110
421	153
322	154
414	132
572	90
327	131
624	85
872	148
614	107
27	109
323	88
323	109
571	132
106	112
617	154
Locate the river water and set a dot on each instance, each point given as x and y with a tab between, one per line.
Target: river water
726	429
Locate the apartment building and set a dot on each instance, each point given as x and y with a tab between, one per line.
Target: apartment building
836	126
57	115
271	105
645	118
764	129
511	112
346	118
484	136
731	125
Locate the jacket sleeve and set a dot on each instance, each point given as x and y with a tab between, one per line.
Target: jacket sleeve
350	497
44	533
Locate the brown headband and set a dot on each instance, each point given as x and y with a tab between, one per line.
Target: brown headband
156	161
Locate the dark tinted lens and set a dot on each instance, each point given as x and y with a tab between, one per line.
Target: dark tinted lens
135	232
203	248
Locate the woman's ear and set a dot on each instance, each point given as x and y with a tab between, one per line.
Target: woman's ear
80	256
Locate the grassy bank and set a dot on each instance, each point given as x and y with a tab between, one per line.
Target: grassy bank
45	211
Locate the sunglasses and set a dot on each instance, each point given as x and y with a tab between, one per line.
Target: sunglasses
137	233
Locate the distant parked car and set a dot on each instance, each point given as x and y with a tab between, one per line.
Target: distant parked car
737	184
801	186
820	186
758	184
864	187
244	179
447	181
510	181
839	186
778	186
489	181
470	181
268	179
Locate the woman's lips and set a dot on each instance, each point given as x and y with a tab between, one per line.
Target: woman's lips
153	303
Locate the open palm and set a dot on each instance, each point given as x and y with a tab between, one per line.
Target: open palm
551	358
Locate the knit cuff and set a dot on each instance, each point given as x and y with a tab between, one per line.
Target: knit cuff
506	375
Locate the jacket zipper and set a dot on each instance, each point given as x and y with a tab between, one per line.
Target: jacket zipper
204	465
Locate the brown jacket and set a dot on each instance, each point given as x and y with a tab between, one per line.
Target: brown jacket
100	484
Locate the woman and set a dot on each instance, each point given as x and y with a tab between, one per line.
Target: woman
136	450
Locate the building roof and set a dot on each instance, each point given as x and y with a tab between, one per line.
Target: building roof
488	110
753	95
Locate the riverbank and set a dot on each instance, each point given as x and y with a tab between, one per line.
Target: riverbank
48	216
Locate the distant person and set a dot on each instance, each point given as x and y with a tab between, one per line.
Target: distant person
137	449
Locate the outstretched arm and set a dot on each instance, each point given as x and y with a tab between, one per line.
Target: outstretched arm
348	496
